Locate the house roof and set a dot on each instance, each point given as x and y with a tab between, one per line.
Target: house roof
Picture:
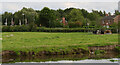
108	17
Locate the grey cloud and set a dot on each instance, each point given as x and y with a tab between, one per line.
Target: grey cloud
15	6
59	0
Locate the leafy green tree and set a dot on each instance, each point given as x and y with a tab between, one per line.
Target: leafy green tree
25	15
51	18
117	12
94	19
61	13
95	11
18	17
114	25
93	16
75	15
7	17
46	17
104	13
109	13
85	13
29	14
101	13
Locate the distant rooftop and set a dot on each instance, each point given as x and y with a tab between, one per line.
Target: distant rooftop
109	17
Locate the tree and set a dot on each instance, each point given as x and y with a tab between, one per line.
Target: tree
26	15
7	17
92	16
29	14
109	13
104	13
46	17
85	13
94	19
101	13
75	15
18	17
117	12
61	13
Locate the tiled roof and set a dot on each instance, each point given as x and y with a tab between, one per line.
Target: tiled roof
109	17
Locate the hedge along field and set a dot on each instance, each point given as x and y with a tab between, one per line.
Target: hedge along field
29	28
39	41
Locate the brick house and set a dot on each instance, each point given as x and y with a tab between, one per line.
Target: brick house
64	21
108	20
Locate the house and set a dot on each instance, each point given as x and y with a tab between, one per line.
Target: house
109	20
63	21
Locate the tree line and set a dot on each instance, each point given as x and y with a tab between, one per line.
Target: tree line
51	18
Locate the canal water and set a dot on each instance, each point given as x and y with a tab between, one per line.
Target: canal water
113	60
85	58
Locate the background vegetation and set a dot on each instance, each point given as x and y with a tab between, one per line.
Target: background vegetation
49	18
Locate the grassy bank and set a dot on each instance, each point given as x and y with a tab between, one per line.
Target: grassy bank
40	41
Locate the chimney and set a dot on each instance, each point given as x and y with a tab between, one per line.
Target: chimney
63	20
107	15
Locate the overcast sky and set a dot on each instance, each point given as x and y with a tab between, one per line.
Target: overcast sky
13	6
59	0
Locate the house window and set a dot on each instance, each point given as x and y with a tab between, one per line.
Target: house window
109	21
103	22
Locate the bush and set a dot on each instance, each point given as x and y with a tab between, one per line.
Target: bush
117	49
33	28
6	28
75	24
43	29
22	28
99	52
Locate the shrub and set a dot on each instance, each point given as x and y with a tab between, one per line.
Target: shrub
99	52
117	49
75	24
32	27
6	28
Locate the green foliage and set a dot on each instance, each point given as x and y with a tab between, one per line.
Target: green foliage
75	15
75	24
23	28
84	13
7	17
113	60
93	16
117	12
26	13
32	27
47	17
6	28
61	13
99	52
117	49
51	18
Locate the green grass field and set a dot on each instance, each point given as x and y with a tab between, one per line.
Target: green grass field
38	41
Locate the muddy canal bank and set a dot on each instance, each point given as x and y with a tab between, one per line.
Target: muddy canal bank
96	52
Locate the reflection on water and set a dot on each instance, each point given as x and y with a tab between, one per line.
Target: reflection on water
85	58
79	61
